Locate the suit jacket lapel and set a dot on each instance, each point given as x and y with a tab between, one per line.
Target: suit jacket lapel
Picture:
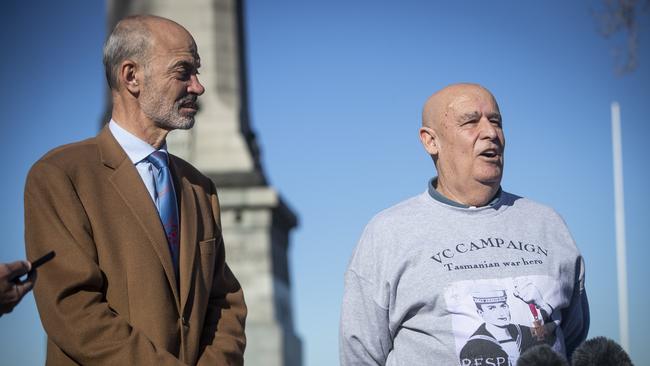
130	187
188	211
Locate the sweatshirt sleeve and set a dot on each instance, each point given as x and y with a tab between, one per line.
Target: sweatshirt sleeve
364	337
575	322
364	334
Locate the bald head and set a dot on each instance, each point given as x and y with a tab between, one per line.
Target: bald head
437	108
132	39
461	131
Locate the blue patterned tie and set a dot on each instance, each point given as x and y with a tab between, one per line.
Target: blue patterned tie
166	203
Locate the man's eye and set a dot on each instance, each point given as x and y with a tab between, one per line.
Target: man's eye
184	74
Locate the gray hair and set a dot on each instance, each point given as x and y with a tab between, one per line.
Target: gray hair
130	39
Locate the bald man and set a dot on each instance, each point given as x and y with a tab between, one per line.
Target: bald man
410	288
140	276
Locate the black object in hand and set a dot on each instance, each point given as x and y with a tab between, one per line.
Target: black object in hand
35	264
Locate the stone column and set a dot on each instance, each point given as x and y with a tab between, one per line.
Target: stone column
256	221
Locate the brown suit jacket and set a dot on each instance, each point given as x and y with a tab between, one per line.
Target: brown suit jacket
110	296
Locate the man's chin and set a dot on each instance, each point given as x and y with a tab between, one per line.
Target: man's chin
493	183
186	125
175	123
490	178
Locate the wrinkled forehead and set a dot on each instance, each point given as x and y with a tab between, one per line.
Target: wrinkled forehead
471	100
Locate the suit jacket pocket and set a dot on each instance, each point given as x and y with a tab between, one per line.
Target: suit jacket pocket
207	249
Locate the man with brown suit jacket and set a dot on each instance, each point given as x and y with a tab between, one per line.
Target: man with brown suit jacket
112	295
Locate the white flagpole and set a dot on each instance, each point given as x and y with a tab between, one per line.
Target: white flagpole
621	262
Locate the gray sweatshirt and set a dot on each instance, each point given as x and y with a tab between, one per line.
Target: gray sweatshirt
430	283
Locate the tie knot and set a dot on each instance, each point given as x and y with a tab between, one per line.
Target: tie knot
158	158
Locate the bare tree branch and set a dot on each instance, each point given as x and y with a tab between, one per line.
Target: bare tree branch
621	16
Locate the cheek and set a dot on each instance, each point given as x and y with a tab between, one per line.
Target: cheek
458	139
170	89
466	143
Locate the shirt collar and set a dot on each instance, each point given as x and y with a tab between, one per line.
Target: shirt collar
440	198
135	148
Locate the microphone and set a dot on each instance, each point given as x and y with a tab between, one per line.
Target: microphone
541	355
600	351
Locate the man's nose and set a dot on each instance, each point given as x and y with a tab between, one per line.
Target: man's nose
488	129
195	86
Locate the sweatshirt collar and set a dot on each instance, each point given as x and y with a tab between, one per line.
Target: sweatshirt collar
442	199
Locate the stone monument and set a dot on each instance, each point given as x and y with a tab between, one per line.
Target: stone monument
256	221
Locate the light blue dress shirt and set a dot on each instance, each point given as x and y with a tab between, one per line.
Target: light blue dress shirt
138	150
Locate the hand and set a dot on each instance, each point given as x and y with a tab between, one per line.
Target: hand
11	292
529	294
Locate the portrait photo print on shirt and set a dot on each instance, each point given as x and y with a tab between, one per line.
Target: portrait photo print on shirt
494	321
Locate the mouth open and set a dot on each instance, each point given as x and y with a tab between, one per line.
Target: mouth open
491	153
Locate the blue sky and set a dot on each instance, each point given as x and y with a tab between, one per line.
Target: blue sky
336	88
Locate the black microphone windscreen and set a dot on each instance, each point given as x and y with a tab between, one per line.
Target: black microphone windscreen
600	351
541	355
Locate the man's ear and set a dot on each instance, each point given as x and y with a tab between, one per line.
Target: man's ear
129	76
429	140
